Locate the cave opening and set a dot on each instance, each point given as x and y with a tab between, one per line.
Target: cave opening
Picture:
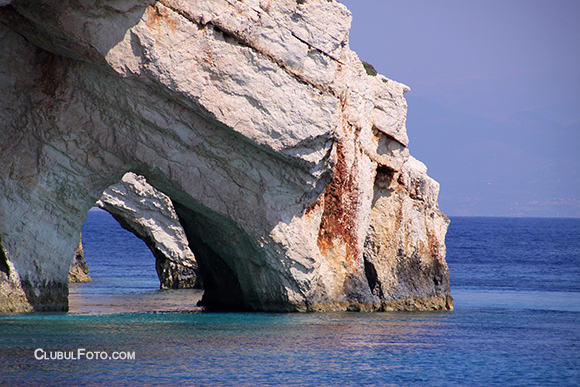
217	247
4	268
142	245
127	258
115	255
123	273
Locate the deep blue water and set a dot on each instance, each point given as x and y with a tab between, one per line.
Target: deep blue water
516	283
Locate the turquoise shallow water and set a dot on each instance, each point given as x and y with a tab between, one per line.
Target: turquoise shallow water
463	348
516	323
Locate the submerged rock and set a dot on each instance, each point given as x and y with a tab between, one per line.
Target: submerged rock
285	160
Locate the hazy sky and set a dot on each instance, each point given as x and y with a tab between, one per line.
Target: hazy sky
494	106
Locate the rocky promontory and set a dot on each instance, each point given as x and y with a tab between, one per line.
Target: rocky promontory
285	158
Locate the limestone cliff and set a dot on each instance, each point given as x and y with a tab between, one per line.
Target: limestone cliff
149	214
286	162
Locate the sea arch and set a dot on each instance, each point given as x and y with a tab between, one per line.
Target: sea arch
85	132
268	140
150	216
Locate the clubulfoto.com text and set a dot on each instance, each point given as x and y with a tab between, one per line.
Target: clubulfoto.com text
82	353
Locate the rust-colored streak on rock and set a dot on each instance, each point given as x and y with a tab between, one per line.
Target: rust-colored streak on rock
51	74
52	81
312	207
156	14
434	247
340	208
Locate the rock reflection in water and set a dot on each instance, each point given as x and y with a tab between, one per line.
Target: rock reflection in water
82	300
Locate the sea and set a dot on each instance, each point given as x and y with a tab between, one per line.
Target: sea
515	281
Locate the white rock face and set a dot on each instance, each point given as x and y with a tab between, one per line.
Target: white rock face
285	160
149	214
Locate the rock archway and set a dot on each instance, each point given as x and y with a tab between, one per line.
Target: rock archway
284	158
150	216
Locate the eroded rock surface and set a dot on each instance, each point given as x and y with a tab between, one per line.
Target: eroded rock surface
285	160
149	214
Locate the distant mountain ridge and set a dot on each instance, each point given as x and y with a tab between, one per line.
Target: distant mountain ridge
524	165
